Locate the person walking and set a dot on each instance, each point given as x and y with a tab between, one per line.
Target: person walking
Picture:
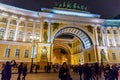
24	71
20	70
64	73
80	69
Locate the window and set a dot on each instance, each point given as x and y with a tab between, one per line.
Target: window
116	40
22	23
11	34
13	22
2	31
37	36
30	24
29	36
26	53
108	31
110	41
20	35
89	56
114	31
17	53
114	56
7	52
4	20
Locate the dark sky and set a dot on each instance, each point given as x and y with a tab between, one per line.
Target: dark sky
107	8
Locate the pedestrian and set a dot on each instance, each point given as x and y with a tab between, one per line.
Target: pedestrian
36	68
80	69
64	73
6	72
20	70
24	71
87	72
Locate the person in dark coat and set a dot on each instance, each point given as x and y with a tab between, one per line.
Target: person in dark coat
20	69
6	72
36	68
64	72
80	69
87	72
114	73
96	66
24	71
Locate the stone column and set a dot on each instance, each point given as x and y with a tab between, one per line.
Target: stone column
96	41
7	27
107	39
118	31
49	32
41	30
51	52
16	30
113	38
102	29
96	36
25	30
33	31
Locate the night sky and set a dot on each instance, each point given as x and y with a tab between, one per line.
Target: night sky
108	9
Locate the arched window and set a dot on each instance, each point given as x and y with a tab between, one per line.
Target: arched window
22	23
14	22
28	37
2	31
20	35
37	36
4	20
11	34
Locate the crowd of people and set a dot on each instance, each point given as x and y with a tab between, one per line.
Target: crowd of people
98	71
94	71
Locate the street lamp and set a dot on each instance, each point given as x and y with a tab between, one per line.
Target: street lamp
34	51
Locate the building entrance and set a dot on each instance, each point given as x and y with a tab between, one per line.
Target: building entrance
70	44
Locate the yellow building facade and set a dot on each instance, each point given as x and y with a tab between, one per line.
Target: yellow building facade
29	35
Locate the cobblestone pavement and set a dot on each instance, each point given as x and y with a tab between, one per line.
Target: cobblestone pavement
45	76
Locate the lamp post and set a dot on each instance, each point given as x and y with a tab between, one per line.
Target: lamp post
34	52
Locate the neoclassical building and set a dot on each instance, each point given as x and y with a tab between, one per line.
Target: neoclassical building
56	36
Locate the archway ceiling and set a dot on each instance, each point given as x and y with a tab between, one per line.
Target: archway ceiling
65	36
77	32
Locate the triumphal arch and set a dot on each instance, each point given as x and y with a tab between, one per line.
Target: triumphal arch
57	35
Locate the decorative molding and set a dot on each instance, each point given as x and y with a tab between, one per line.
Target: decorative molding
15	43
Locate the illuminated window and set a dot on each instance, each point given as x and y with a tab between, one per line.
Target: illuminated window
26	53
37	36
11	34
2	31
20	35
17	53
7	52
110	41
28	37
